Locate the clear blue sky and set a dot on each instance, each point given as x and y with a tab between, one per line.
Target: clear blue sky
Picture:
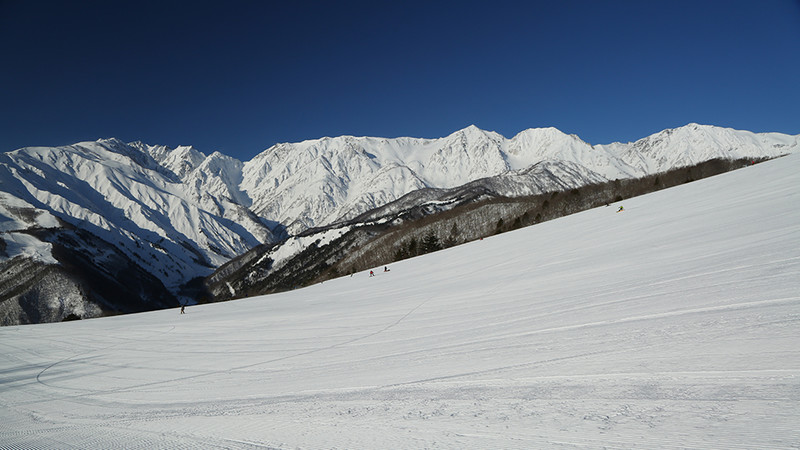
238	77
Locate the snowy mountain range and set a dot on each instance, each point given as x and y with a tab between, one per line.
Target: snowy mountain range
672	325
179	214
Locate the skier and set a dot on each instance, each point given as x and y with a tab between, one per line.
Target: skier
385	269
371	273
620	208
182	311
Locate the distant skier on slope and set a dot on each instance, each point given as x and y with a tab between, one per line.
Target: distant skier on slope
385	269
620	209
371	273
182	309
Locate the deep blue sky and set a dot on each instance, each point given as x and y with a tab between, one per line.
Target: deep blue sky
238	76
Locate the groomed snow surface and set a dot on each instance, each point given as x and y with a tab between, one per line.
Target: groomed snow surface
672	324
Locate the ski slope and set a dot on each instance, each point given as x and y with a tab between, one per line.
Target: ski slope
673	324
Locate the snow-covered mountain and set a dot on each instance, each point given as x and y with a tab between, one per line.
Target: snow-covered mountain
316	182
172	227
179	214
674	324
693	143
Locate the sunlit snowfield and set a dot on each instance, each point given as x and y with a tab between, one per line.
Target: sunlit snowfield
673	324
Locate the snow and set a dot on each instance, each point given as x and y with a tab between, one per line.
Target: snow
317	182
180	213
672	324
27	246
297	244
122	194
17	214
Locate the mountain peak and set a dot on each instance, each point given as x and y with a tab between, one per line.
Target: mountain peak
542	131
471	133
111	142
472	129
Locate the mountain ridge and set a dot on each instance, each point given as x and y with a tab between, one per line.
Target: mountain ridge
179	214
